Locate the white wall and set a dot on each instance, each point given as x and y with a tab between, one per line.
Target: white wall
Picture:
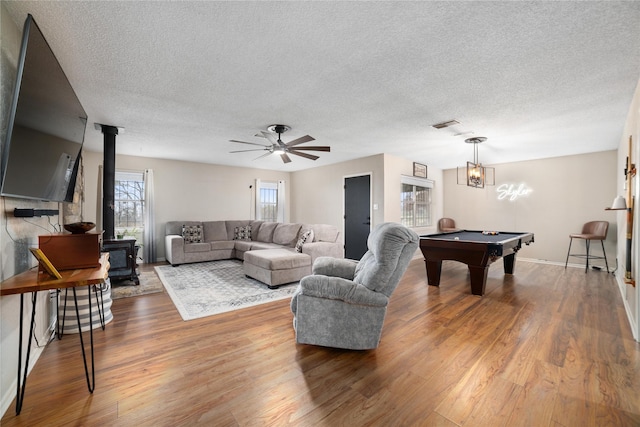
565	193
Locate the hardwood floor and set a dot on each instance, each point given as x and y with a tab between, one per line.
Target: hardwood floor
545	347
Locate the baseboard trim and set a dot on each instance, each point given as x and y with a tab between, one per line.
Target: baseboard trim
622	287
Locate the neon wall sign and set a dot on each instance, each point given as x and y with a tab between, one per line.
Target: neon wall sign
512	192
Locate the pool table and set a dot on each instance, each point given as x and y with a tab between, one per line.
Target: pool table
477	249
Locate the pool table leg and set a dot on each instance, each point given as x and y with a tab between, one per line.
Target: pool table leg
434	268
509	263
478	279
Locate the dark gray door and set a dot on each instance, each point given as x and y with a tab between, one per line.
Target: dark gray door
357	219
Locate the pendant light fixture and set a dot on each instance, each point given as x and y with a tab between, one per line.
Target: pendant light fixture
476	175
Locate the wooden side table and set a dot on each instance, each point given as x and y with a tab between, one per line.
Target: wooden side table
34	281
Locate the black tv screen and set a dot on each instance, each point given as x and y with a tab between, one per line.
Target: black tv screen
46	126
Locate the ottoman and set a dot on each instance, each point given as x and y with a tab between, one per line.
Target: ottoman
276	267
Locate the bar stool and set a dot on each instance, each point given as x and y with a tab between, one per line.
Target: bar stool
593	230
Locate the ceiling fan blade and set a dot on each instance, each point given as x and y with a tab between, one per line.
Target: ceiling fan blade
285	158
305	155
316	148
300	140
251	143
244	151
264	155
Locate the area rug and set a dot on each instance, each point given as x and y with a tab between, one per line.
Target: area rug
207	288
149	284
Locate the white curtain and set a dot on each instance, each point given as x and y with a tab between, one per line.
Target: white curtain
258	201
149	219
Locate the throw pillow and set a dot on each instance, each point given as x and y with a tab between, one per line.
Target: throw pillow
192	233
242	233
306	237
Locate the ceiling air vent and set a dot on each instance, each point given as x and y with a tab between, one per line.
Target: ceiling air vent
446	124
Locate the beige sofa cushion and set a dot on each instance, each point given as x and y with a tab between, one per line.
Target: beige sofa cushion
222	245
286	234
214	231
265	234
255	228
197	247
243	245
323	232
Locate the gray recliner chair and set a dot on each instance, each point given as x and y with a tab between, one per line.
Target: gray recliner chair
344	302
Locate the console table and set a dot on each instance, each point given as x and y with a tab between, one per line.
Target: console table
34	281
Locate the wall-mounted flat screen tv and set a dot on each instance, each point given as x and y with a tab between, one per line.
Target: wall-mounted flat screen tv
46	126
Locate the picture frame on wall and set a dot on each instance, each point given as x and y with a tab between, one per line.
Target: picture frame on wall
419	170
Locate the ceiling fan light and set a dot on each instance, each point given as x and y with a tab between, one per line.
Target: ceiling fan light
284	149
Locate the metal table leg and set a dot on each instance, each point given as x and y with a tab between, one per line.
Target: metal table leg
100	305
91	383
60	326
22	383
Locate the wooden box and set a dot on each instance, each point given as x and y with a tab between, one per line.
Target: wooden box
70	251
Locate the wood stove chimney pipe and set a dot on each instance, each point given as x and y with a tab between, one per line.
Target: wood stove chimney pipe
109	180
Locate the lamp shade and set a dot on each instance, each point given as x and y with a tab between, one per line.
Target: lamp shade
619	203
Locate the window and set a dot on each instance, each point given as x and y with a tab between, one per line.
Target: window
270	202
415	202
129	204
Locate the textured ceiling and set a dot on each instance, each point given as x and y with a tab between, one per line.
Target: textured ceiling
538	79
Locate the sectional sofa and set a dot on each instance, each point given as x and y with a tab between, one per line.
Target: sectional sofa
274	253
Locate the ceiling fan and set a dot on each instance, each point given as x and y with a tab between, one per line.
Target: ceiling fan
279	147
